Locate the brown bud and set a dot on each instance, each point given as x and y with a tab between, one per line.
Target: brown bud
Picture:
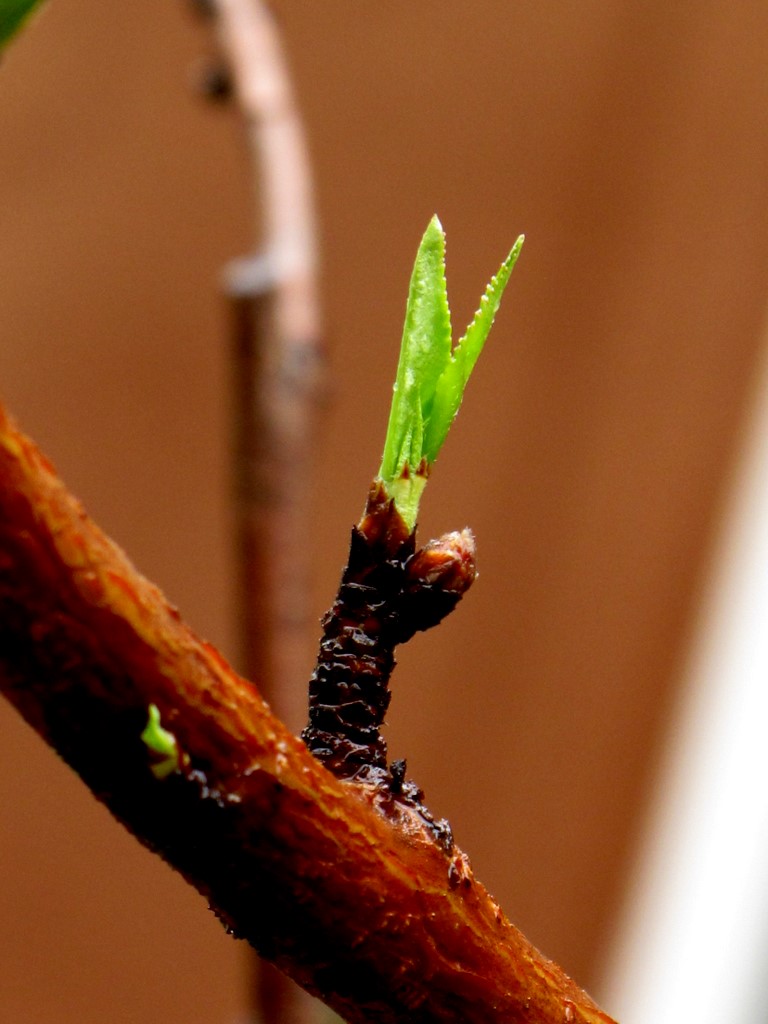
381	525
448	563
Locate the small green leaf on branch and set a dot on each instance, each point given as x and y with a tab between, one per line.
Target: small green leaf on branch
162	744
13	14
431	373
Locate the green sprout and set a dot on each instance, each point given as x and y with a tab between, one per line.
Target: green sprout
162	743
432	373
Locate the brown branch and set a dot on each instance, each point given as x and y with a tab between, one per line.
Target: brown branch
345	891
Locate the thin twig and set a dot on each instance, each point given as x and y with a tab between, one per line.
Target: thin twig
278	354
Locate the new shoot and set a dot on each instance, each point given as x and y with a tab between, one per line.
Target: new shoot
161	744
432	373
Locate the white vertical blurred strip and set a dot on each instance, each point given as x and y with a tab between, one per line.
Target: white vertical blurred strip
694	942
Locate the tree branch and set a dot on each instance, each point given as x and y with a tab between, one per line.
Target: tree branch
342	887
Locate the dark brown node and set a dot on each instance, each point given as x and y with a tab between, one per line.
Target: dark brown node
388	592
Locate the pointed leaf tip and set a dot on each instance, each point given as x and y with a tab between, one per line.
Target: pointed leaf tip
449	390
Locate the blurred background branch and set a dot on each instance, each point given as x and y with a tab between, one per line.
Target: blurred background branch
276	366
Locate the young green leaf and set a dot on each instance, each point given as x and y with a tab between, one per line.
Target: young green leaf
161	743
449	389
13	14
424	353
431	377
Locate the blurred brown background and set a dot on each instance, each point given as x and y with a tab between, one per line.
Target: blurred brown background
629	142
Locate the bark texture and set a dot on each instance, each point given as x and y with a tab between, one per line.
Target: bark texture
339	883
388	592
